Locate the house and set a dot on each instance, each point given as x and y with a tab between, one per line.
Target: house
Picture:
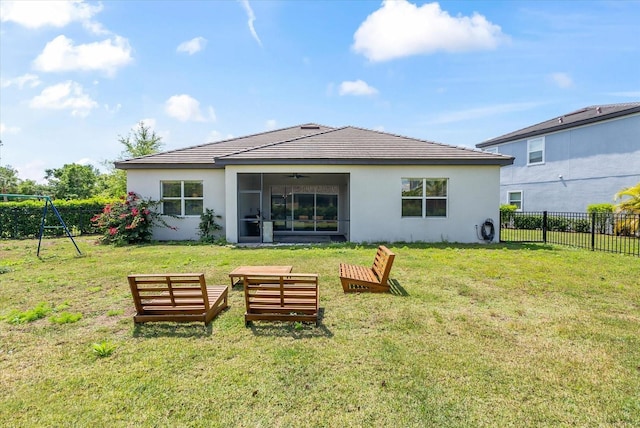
571	161
323	183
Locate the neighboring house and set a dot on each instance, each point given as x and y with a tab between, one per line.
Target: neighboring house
572	161
318	182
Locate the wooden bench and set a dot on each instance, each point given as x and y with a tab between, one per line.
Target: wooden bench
181	297
281	297
355	278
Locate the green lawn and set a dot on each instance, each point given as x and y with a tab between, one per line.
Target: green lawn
616	244
500	335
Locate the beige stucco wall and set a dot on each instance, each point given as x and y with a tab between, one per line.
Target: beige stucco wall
374	207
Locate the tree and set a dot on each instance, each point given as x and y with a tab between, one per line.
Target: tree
72	181
632	204
629	225
8	180
145	142
30	187
142	141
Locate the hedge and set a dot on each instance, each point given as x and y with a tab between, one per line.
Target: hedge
565	222
21	219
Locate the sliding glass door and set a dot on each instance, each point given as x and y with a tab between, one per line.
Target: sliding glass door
304	208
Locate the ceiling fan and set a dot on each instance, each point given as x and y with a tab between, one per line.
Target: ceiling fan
296	176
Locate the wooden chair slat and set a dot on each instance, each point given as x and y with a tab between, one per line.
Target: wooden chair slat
176	297
356	278
281	297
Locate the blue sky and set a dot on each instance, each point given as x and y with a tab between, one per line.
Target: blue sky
75	76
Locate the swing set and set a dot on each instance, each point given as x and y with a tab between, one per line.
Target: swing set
48	204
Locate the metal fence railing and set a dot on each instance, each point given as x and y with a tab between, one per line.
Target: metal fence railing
612	232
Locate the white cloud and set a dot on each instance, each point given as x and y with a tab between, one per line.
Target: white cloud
152	124
250	15
28	79
480	112
36	14
217	136
562	80
91	162
148	122
356	87
7	130
114	109
33	170
271	124
185	109
65	96
192	46
399	29
61	54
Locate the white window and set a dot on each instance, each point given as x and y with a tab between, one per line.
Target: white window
535	151
515	198
182	198
424	197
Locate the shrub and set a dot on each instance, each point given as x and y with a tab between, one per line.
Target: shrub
507	214
558	224
627	225
128	222
600	208
531	222
581	225
209	226
603	216
21	219
504	208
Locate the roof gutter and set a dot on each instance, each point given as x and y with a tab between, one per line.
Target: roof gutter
503	161
145	165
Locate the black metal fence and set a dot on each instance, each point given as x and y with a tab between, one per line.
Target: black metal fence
612	232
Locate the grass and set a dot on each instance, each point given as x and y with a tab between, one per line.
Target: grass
629	245
500	335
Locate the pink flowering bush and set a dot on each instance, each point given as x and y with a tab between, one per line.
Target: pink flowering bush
128	222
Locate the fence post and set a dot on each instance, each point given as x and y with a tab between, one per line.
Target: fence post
593	231
544	227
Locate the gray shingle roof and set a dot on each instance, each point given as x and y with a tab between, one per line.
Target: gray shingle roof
317	144
574	119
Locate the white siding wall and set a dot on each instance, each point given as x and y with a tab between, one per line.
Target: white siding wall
146	182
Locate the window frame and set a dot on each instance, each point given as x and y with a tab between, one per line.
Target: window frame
542	150
424	198
182	198
509	201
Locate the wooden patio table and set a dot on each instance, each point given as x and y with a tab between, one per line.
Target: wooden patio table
241	271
